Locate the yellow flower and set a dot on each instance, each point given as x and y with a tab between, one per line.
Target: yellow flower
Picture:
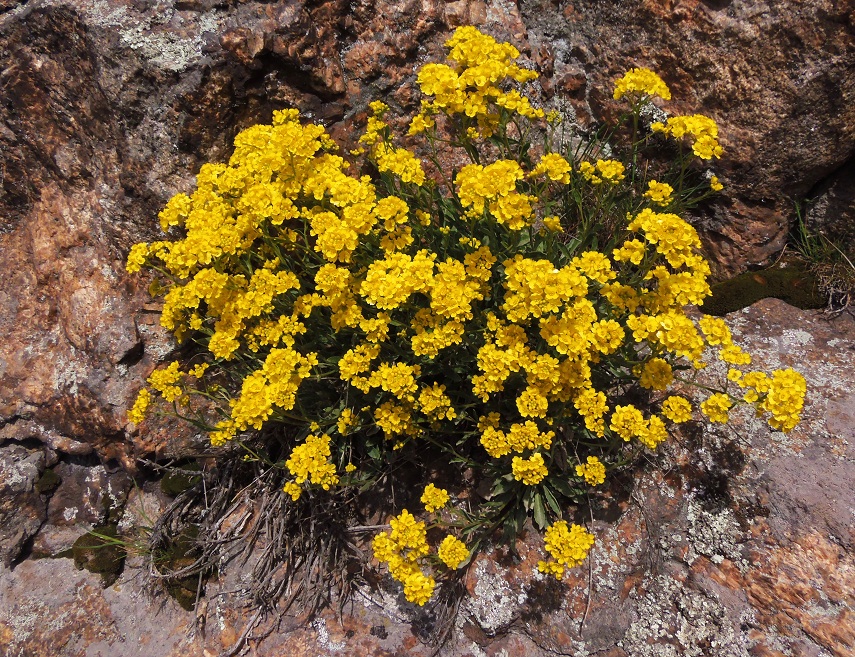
677	409
593	472
420	123
658	192
627	422
715	184
552	223
568	546
641	81
656	374
452	552
554	167
309	461
165	380
137	413
434	498
701	129
530	471
715	407
293	490
610	171
785	399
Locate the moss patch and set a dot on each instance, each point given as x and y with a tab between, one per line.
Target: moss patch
794	285
178	555
100	551
48	482
177	481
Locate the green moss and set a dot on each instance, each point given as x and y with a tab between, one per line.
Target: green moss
100	551
177	481
177	555
48	482
795	285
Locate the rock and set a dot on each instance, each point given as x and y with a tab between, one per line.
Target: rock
761	69
831	210
115	104
732	541
80	617
22	507
87	495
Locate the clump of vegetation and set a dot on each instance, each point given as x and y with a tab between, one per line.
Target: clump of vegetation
831	266
506	300
101	551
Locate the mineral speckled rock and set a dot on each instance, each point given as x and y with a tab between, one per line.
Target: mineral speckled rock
22	507
114	104
778	77
735	541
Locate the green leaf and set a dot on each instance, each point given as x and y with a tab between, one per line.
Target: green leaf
551	501
563	487
540	518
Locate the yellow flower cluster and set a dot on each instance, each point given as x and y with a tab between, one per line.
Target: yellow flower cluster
701	129
401	549
677	409
641	81
782	395
474	85
138	411
659	192
310	462
494	187
593	472
628	422
273	386
518	439
610	171
716	406
401	309
434	498
554	167
435	404
399	161
568	547
452	552
165	381
529	471
536	288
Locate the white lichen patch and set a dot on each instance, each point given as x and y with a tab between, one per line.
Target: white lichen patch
169	39
714	535
320	626
795	337
494	603
158	343
672	621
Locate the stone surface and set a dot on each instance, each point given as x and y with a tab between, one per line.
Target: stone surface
114	104
831	209
732	541
778	77
22	508
743	546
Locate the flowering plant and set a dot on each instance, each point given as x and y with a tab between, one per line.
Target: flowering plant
521	311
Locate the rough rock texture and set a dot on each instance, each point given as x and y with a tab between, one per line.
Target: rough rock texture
22	508
734	542
778	77
112	105
831	209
